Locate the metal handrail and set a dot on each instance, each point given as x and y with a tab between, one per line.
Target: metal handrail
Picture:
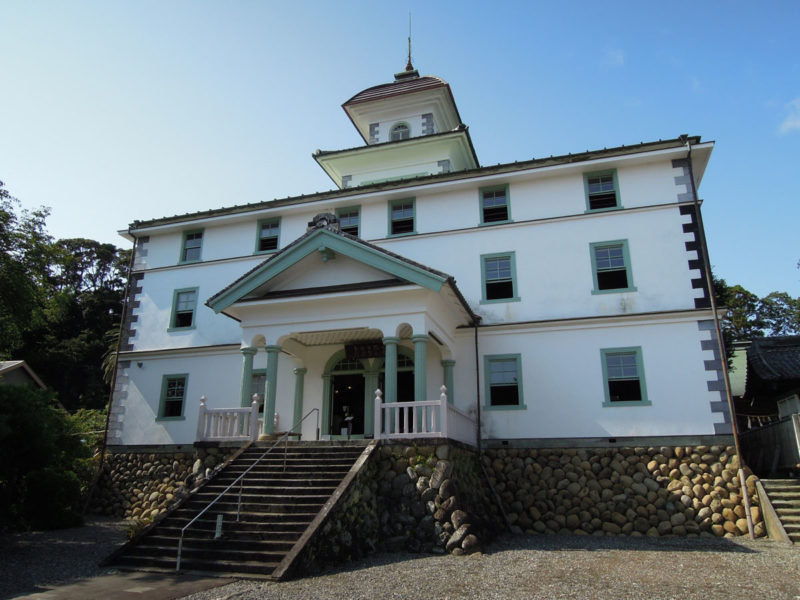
240	481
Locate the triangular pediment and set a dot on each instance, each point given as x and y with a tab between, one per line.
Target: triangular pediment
325	261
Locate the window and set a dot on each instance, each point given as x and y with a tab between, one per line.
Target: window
623	373
503	381
184	303
601	190
494	205
498	272
612	267
173	395
349	220
269	230
401	217
401	131
192	245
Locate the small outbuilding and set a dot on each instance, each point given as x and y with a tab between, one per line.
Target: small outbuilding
18	372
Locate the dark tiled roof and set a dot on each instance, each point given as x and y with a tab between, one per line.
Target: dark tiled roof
775	358
534	163
396	88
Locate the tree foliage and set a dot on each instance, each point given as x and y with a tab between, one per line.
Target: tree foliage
42	447
58	300
749	316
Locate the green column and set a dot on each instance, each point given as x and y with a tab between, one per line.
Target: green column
390	366
448	365
268	427
371	383
420	366
390	377
325	424
247	374
299	379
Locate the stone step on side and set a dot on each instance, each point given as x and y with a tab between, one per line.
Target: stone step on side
229	548
257	522
258	483
274	496
254	511
318	458
276	504
280	498
290	472
253	566
280	532
252	492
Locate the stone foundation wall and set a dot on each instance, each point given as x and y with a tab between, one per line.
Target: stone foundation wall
664	491
430	499
143	485
433	499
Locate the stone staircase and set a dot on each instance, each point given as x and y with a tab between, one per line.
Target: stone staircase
784	494
277	508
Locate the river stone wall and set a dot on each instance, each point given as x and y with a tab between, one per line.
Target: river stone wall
143	485
664	491
430	499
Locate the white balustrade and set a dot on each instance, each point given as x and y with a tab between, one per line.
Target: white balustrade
423	419
228	424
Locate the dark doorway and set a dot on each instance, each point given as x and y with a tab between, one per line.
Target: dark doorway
347	399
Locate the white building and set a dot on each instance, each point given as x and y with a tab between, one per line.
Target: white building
559	300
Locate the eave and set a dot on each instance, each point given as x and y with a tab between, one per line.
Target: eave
329	159
700	155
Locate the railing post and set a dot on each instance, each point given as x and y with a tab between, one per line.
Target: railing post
443	406
254	418
201	419
378	414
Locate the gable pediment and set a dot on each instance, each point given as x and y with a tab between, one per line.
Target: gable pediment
323	261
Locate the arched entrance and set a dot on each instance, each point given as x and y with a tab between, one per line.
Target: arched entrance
349	390
348	397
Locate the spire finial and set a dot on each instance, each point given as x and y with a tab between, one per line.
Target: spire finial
409	66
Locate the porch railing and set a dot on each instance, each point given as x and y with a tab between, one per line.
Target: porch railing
227	424
423	419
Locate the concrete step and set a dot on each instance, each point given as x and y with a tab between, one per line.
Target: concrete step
246	568
280	496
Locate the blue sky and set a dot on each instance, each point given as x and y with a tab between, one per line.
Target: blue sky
116	111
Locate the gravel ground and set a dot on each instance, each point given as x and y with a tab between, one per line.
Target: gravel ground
514	567
33	560
556	567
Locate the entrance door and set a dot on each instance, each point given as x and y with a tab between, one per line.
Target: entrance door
347	400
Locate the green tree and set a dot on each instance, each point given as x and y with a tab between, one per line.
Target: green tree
57	302
39	446
25	254
746	316
780	314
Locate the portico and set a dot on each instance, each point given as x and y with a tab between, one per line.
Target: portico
334	317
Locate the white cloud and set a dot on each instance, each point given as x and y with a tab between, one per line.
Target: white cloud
792	121
614	58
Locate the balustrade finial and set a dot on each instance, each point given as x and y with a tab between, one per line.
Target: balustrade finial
203	400
378	394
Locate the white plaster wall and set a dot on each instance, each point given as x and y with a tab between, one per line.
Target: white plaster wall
533	196
563	386
554	266
214	375
155	309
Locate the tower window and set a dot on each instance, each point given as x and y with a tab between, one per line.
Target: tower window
401	131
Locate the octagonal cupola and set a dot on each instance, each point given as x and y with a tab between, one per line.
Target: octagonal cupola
411	128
